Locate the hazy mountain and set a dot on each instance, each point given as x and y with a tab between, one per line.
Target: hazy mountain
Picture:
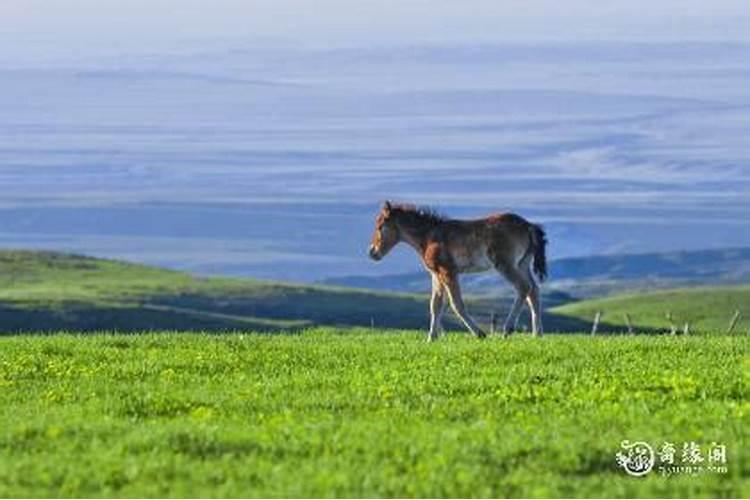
597	275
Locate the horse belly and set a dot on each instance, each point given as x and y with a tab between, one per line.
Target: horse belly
475	262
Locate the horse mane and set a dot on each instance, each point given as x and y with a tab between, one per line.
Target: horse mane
416	215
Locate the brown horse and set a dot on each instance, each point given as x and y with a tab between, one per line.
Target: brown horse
504	242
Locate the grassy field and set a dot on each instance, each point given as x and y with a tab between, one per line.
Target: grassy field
707	309
356	413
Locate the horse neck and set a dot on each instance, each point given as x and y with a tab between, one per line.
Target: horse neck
413	237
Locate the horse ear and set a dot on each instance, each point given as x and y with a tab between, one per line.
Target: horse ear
387	206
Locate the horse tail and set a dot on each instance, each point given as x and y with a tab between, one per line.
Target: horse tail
539	247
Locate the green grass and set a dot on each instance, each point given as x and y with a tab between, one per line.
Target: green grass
351	413
707	309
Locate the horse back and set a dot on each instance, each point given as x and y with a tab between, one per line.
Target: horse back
478	245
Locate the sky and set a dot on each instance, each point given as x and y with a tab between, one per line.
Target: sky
38	30
258	138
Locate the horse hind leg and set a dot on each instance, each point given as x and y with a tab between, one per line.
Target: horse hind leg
534	301
522	286
512	319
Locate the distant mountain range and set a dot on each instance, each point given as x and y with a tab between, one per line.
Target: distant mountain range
586	277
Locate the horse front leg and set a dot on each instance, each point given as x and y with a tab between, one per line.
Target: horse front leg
457	303
437	306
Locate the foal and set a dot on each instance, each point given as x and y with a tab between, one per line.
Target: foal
504	242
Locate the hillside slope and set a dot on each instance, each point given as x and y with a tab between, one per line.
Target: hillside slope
42	291
47	291
706	309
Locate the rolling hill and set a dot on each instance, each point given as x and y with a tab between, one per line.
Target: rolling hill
706	309
43	291
48	291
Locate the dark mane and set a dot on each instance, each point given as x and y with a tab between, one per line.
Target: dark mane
417	216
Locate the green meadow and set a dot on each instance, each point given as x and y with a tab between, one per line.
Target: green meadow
356	413
123	380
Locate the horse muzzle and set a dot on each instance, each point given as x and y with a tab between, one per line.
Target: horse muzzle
374	254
